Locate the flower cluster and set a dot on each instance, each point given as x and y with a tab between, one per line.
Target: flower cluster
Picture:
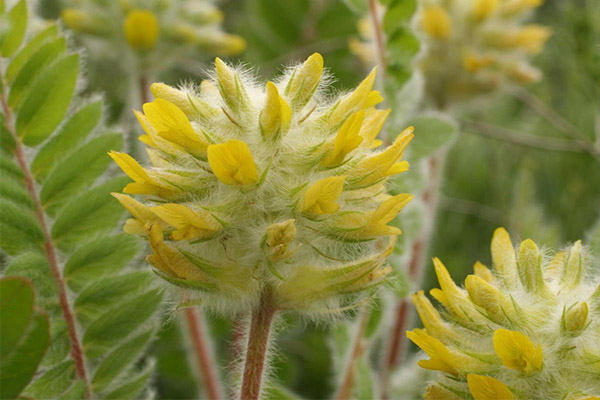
474	46
273	188
528	329
145	26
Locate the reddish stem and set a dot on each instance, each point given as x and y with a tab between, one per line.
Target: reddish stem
202	354
380	43
348	382
76	349
258	344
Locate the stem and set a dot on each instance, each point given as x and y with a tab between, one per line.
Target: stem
380	43
50	251
419	248
202	354
258	343
144	97
348	382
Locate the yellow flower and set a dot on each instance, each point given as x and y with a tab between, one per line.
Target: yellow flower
320	197
171	124
489	298
488	388
530	38
141	29
143	182
436	22
305	80
275	117
345	141
361	98
517	351
232	163
190	224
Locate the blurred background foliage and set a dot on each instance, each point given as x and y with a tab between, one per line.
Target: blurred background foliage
523	159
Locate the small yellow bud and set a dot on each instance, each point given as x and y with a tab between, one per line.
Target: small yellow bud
320	197
191	105
171	124
436	22
529	264
231	87
575	318
278	238
454	298
431	318
228	45
143	182
232	163
483	272
346	140
84	22
488	388
142	215
275	117
489	298
141	29
517	351
571	273
190	224
484	8
503	256
304	81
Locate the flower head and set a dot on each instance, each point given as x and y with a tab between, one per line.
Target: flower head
523	330
272	187
473	47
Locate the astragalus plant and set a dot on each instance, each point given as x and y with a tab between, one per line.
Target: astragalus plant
474	47
527	329
263	198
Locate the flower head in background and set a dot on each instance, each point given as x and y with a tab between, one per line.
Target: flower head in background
472	47
528	329
274	188
156	29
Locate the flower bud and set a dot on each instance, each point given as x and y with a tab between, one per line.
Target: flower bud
141	30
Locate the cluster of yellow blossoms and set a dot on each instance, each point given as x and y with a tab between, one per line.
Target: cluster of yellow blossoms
165	24
474	46
266	188
529	328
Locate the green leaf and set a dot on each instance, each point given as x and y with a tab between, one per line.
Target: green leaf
363	387
10	170
48	100
432	132
78	170
20	357
14	30
34	67
19	230
99	258
30	48
91	213
119	359
72	132
16	302
15	192
358	7
134	385
75	392
107	292
53	382
35	267
398	15
118	322
375	316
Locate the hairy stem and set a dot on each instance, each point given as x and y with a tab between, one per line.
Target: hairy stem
419	248
50	251
202	354
379	42
358	347
258	344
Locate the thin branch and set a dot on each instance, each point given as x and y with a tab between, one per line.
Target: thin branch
50	251
347	384
379	41
203	355
528	140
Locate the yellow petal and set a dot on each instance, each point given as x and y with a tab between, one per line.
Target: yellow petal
388	210
431	318
436	22
489	298
189	104
488	388
346	140
435	392
354	101
304	81
141	29
441	358
517	351
232	163
276	115
483	272
372	124
503	256
572	268
189	223
320	197
171	124
231	87
530	38
130	166
484	8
